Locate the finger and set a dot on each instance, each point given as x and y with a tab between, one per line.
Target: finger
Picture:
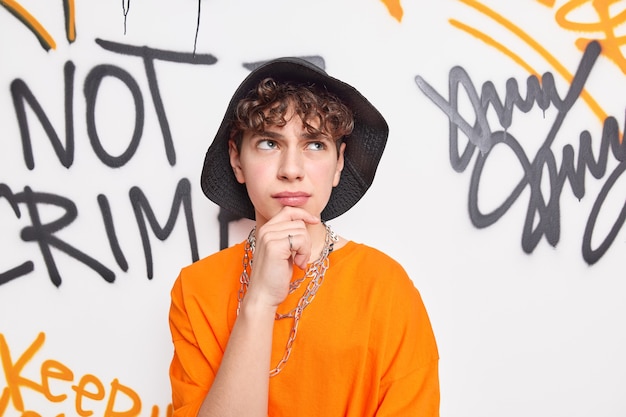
299	248
285	240
289	213
290	240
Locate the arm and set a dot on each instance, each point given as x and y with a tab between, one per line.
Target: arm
249	349
246	359
206	373
241	381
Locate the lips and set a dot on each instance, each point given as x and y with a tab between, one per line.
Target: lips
294	199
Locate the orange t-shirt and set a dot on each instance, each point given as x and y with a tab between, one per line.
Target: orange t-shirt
364	347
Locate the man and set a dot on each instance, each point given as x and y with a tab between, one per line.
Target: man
297	321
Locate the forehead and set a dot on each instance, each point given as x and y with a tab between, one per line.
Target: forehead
294	126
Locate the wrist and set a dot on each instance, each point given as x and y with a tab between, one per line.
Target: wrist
254	305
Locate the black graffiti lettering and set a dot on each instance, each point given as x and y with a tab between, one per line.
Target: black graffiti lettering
546	224
21	95
543	213
43	234
109	227
480	219
591	255
27	266
149	55
27	104
480	134
23	269
92	85
141	207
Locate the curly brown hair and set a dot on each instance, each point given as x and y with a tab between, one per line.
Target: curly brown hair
267	105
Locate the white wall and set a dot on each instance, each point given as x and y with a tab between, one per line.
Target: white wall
534	330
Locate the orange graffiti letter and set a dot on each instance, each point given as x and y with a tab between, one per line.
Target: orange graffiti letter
132	395
169	411
4	400
81	392
12	370
56	370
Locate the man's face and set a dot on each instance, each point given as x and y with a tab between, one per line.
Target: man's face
287	166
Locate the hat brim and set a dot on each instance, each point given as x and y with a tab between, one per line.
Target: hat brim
364	146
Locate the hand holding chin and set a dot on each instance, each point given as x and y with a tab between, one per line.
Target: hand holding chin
280	243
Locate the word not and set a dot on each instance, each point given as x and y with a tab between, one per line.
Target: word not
543	215
87	390
22	95
25	103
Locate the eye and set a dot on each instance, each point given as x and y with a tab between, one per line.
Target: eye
316	146
266	144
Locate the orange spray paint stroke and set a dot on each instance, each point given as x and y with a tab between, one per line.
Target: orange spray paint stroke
535	45
606	25
45	39
395	9
43	36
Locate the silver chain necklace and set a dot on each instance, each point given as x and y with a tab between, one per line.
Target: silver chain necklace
314	273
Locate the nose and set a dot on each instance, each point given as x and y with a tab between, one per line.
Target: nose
291	165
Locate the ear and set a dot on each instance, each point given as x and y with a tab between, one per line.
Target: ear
235	162
340	163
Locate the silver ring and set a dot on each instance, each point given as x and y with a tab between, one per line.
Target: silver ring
290	242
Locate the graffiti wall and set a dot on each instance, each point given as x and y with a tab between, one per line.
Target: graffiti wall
500	191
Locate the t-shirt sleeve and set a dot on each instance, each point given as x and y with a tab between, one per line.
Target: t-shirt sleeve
189	366
410	385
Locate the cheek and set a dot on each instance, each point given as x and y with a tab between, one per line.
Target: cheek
256	177
250	168
336	174
253	186
255	172
329	174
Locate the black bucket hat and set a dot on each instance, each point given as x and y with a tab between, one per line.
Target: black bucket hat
364	146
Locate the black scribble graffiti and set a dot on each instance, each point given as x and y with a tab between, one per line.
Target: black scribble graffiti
195	39
125	10
543	214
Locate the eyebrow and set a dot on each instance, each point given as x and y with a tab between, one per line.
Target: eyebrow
275	135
